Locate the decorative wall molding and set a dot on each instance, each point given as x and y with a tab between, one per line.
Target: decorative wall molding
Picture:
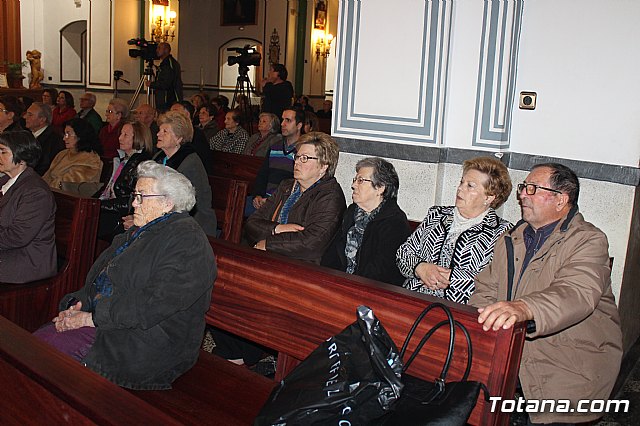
420	121
501	24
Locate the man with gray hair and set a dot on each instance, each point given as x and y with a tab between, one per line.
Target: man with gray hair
38	121
87	111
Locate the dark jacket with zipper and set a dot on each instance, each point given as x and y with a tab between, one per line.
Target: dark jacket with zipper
319	210
376	258
149	330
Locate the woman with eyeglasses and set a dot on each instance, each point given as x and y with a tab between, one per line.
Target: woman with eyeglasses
303	215
109	136
373	227
27	213
136	146
80	161
63	111
139	319
454	243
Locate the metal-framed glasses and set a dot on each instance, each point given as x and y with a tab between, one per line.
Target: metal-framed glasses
361	180
139	197
531	188
303	158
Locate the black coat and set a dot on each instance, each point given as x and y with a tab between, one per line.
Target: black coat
168	84
124	185
51	144
376	257
149	329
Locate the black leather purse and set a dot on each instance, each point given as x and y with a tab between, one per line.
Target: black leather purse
438	402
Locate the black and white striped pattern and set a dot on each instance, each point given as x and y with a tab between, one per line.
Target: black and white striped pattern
473	251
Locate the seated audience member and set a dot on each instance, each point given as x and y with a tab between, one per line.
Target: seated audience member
25	102
88	112
27	213
311	123
278	163
10	113
176	152
38	121
117	114
373	226
63	111
135	147
232	138
268	134
206	122
139	319
50	97
222	106
303	215
198	102
303	103
80	160
146	114
277	91
552	271
454	243
198	140
325	112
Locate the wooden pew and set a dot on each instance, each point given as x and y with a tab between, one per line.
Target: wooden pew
229	196
32	304
39	385
291	307
237	166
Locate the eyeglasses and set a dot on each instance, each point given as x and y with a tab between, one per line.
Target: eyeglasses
69	135
109	111
139	197
6	111
304	158
532	188
360	180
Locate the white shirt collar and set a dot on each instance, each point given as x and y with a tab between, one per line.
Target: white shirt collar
10	183
39	131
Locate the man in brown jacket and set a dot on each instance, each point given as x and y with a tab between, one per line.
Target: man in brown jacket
552	270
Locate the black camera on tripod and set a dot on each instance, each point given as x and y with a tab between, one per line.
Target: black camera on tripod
146	49
248	56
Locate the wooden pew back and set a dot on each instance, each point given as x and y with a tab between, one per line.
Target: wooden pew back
237	166
32	304
291	307
229	196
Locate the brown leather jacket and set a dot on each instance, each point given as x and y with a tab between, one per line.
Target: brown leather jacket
319	210
576	349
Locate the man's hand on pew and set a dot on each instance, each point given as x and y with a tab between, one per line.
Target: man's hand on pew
73	318
504	314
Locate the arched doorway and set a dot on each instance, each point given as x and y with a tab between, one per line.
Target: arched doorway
73	53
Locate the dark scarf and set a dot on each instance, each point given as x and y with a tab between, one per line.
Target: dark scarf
355	235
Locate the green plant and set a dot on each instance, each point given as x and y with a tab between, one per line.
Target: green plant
15	68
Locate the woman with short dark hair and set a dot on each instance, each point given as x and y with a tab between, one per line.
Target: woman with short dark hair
206	121
80	161
10	113
232	138
27	213
63	111
373	227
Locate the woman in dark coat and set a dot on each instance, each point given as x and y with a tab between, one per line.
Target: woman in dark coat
373	226
300	219
139	319
27	213
136	146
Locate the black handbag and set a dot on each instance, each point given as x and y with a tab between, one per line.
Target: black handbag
351	378
436	403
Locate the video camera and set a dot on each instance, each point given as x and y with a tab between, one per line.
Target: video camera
146	49
249	56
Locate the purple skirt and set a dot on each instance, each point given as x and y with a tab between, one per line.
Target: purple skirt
75	343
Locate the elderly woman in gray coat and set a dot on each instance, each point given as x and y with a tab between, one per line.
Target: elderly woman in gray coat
139	319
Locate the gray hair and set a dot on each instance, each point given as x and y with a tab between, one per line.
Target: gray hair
384	174
274	121
174	185
92	98
120	106
44	111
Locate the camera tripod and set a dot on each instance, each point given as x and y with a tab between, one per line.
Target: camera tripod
147	75
242	95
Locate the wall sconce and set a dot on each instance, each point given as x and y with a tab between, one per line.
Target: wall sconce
323	43
164	26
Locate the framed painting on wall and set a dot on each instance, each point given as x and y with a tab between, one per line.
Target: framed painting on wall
239	12
320	15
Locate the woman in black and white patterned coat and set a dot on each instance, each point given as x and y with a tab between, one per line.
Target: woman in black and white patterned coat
454	243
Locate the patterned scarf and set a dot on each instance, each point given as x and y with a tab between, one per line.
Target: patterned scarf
355	235
286	207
